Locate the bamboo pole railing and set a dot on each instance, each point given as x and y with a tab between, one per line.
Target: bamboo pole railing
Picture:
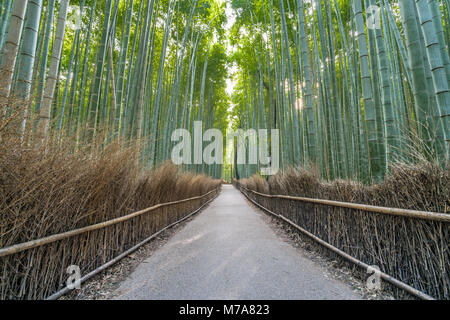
417	214
433	217
35	269
60	236
113	261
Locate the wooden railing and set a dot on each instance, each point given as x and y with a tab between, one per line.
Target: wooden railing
37	269
407	245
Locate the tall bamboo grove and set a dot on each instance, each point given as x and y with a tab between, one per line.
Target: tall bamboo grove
353	86
129	69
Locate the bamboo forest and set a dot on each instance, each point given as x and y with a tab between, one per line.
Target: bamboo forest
352	97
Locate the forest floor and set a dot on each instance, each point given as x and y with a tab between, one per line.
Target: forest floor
231	250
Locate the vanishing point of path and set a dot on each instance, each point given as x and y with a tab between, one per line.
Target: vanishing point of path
229	252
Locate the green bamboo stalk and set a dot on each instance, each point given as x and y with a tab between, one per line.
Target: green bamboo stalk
10	49
94	103
369	109
5	20
27	56
438	71
45	111
45	49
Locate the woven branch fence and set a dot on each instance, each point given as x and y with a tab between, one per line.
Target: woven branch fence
36	269
411	246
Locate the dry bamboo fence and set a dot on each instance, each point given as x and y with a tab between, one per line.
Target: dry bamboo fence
411	246
36	269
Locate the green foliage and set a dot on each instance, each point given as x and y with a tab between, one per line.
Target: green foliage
351	99
134	70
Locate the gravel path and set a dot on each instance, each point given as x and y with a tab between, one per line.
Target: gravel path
229	252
